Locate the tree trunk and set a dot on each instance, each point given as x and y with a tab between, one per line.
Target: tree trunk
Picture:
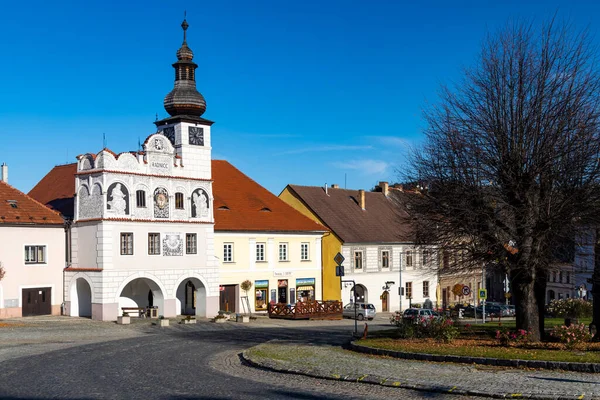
540	297
596	289
526	304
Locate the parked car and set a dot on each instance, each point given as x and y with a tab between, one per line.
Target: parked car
417	314
474	312
363	310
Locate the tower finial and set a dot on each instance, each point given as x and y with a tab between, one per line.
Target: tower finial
184	25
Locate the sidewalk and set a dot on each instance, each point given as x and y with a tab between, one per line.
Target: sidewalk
498	382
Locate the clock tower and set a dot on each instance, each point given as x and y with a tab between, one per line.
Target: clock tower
186	129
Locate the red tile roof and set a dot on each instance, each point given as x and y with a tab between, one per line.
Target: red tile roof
249	206
57	188
382	221
27	211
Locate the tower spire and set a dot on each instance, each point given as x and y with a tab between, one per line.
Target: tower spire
185	99
184	25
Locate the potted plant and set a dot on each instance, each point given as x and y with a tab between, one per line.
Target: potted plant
189	320
163	321
124	319
220	319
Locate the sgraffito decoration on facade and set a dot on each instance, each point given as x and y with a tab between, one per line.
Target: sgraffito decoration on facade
173	244
117	201
161	203
200	207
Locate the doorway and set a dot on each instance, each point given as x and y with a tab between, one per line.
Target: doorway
36	301
227	298
384	301
282	286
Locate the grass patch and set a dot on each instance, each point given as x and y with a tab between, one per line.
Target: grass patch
488	348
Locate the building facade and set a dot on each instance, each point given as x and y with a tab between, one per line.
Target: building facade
32	255
261	239
373	233
142	233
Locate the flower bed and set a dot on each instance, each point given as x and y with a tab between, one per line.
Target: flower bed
589	352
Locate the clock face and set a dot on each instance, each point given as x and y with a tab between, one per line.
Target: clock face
169	132
196	135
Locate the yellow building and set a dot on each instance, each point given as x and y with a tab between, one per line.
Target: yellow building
261	239
331	244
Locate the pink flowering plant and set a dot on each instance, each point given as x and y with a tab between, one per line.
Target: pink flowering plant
573	335
518	338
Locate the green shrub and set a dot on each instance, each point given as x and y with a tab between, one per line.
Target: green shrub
443	329
570	308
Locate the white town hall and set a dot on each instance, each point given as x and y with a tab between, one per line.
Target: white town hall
142	230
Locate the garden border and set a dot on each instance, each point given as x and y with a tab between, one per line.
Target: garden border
498	362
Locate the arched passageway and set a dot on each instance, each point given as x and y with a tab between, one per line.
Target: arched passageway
141	293
361	294
191	297
81	298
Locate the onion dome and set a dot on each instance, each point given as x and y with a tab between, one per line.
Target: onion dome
185	99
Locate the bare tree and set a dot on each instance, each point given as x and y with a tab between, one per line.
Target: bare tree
511	155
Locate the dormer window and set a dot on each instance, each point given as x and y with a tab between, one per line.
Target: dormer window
223	208
13	203
265	209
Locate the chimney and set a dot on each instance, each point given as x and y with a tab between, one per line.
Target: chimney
361	198
4	173
335	186
384	188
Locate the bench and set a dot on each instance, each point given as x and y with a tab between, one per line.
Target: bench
140	310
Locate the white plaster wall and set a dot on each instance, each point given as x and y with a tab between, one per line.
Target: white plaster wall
373	276
20	275
84	245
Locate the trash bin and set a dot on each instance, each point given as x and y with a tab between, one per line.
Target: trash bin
152	312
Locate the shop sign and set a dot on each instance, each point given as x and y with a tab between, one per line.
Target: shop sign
282	283
261	284
282	273
305	282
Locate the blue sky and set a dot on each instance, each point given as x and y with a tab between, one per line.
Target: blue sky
308	92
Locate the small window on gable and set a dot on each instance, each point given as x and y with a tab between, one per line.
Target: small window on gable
140	198
179	201
13	203
265	209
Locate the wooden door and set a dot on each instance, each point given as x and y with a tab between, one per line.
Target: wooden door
384	301
227	299
36	301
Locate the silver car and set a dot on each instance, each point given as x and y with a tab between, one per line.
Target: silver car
363	310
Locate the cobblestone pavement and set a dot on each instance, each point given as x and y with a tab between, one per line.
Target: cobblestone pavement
199	361
62	357
336	363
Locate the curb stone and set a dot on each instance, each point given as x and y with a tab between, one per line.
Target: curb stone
391	382
501	362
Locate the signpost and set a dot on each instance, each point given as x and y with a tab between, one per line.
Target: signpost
339	269
466	290
482	296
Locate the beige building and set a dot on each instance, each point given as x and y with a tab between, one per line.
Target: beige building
261	239
32	255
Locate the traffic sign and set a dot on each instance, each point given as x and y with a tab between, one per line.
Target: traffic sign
339	258
466	290
482	294
339	270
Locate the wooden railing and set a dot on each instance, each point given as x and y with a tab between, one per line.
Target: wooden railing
311	309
